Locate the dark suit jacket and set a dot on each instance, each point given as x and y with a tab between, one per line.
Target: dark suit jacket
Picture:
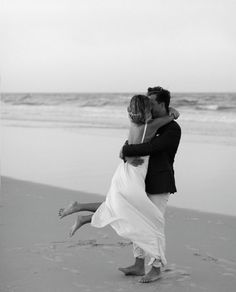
162	149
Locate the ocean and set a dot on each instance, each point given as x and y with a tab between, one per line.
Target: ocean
202	113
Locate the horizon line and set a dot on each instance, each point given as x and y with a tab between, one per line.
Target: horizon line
103	92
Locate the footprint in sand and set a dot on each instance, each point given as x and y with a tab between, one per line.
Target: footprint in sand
94	243
89	242
228	266
175	274
207	258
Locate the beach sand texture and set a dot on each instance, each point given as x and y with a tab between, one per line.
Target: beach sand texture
38	255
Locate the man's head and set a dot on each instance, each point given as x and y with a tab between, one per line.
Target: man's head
160	99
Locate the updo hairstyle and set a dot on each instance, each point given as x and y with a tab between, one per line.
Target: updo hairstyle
138	108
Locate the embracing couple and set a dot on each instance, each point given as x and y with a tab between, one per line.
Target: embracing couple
140	188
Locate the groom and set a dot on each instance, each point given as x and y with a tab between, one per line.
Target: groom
160	181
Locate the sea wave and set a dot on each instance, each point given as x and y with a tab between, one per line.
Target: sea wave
215	107
201	101
80	99
110	108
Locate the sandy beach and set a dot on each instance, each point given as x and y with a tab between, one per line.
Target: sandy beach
38	255
44	169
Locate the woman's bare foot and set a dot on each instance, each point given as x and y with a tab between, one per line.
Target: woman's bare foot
72	208
80	221
133	271
153	275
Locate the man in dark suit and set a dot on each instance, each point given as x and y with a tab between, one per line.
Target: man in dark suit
160	181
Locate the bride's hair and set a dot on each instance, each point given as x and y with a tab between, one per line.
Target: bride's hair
138	107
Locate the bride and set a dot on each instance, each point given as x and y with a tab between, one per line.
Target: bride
127	208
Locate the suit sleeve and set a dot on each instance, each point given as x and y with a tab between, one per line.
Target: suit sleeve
167	140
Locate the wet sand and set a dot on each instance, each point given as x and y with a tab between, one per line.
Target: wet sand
38	255
85	159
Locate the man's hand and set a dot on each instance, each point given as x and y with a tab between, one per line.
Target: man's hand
135	161
174	112
121	151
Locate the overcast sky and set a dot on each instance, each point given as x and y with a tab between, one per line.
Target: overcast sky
117	45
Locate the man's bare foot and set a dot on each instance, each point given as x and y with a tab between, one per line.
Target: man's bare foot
153	275
133	270
73	207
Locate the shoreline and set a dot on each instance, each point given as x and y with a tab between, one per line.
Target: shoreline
213	131
101	197
37	254
73	158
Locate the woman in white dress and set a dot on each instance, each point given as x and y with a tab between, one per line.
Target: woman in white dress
127	208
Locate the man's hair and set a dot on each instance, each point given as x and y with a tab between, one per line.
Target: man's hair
162	95
138	107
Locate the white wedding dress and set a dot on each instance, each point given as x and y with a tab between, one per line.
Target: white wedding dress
131	213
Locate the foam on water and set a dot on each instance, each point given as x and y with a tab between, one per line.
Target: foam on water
109	109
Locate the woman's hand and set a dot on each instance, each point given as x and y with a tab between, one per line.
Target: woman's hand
173	112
